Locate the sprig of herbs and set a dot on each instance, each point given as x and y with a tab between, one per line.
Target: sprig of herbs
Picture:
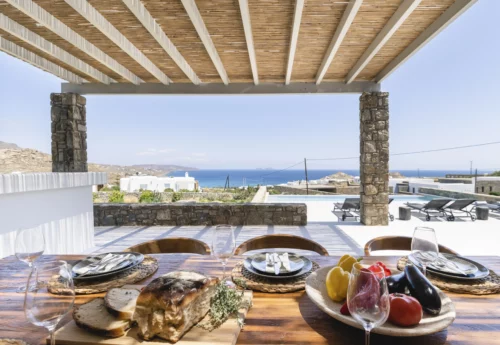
225	303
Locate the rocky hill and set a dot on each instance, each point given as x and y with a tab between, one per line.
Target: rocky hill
16	159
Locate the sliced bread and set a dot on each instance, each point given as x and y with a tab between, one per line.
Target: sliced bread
94	317
121	302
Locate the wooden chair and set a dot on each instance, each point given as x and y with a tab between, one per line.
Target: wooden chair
396	243
171	245
280	241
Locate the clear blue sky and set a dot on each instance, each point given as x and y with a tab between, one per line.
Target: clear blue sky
446	95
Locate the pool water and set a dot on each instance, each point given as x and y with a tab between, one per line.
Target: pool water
340	198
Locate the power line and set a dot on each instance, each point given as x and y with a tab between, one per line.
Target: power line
412	152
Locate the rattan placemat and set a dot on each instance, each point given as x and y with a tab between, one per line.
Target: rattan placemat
251	281
145	269
486	286
7	341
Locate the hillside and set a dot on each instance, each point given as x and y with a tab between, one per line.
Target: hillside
16	159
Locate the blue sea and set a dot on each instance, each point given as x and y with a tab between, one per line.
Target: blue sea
253	177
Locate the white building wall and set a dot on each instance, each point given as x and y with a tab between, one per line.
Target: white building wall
415	184
156	184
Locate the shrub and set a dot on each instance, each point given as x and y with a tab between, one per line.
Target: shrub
273	191
185	191
495	173
176	197
116	197
495	193
94	196
149	196
168	190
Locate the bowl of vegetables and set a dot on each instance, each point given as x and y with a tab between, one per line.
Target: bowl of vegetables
416	306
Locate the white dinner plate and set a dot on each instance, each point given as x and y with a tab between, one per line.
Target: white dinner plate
316	290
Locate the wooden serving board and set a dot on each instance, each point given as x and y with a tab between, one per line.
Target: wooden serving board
227	334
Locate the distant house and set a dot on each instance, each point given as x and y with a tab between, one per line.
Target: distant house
157	184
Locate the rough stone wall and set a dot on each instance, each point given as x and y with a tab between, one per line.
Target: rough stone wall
69	132
459	195
199	214
299	191
374	158
487	186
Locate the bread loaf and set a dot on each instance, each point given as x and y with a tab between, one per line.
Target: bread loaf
170	305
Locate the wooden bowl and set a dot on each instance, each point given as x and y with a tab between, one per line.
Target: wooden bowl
316	290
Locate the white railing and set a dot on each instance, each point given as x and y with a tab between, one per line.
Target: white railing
59	204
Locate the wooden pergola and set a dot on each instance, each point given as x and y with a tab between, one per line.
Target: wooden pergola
229	47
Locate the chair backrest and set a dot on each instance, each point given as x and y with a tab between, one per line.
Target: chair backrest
459	204
437	204
351	203
280	241
171	245
396	243
391	200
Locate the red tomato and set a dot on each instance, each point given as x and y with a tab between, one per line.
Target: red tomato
405	310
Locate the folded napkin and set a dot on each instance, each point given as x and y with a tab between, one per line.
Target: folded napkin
269	264
285	261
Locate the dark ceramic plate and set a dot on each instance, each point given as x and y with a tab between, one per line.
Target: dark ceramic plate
481	272
247	263
136	259
296	263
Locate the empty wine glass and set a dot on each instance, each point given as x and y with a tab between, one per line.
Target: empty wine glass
43	308
223	244
424	247
368	298
29	246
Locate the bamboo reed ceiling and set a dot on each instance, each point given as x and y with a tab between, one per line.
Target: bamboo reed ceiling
271	25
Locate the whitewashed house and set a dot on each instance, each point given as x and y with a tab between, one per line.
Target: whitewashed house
157	184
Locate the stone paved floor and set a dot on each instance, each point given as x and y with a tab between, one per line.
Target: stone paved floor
464	236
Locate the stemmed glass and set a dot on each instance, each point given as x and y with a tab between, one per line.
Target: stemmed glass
43	308
223	245
368	298
424	247
29	246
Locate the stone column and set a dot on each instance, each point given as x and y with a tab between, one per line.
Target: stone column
69	132
374	158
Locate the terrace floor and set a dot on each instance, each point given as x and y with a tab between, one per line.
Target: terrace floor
462	235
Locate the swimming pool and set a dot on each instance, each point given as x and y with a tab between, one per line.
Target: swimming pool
340	198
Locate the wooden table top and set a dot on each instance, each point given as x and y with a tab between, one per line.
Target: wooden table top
275	318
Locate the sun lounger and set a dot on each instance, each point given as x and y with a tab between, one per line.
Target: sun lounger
433	208
492	207
459	205
349	205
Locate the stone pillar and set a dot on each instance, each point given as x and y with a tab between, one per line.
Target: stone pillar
374	158
69	132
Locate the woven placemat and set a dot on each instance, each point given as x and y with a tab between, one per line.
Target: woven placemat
7	341
486	286
145	269
251	281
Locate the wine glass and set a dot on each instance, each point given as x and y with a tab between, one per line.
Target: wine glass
29	246
424	247
223	244
368	298
43	308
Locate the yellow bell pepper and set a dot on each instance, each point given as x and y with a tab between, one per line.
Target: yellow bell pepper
346	262
337	281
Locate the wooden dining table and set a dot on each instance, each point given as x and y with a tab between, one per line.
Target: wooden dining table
289	318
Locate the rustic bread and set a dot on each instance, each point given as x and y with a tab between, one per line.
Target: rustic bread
121	302
94	317
170	305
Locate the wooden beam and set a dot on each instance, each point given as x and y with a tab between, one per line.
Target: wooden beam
53	24
297	18
38	61
220	88
201	29
344	24
247	27
452	13
143	15
42	44
103	25
398	18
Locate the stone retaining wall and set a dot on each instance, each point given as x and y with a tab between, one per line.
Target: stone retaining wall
299	191
199	214
458	195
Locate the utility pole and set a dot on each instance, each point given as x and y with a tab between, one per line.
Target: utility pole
307	181
471	168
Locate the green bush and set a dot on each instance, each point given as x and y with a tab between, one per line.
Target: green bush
110	189
116	197
495	173
94	196
168	190
495	193
185	191
176	197
273	191
149	197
